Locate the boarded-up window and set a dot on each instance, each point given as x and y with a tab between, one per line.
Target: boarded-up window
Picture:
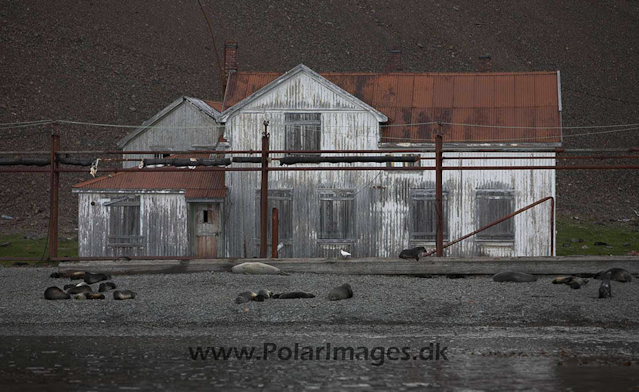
282	199
337	215
302	131
423	214
124	222
492	205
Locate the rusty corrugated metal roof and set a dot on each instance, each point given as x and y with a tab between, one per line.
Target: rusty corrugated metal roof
215	105
192	181
490	101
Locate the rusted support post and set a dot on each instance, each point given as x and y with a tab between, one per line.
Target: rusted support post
275	233
439	194
54	193
552	227
264	193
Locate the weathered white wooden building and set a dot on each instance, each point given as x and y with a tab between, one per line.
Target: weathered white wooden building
186	124
367	213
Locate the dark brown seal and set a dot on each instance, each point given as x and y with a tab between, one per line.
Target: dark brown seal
412	253
54	293
342	292
294	295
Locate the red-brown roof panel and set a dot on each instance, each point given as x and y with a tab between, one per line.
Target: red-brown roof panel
423	91
463	95
484	91
524	91
443	90
442	97
505	91
546	93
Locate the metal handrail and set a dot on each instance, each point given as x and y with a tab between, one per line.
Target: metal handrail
552	225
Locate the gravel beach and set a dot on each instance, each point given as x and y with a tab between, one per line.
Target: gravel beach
539	335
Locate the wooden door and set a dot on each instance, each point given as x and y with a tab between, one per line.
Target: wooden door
207	230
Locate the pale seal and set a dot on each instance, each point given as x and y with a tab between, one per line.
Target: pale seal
254	268
123	294
512	276
412	253
342	292
80	289
54	293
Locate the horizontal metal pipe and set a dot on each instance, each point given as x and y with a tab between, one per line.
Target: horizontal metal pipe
324	168
393	150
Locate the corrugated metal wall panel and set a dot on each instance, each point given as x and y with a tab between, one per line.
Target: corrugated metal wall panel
464	92
423	92
524	91
443	90
484	91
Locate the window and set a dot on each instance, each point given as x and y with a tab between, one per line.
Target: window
302	131
124	222
423	214
337	215
492	205
282	199
405	164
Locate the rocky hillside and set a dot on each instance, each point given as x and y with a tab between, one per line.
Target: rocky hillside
103	62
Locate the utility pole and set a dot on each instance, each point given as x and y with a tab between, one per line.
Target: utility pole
54	193
264	193
439	191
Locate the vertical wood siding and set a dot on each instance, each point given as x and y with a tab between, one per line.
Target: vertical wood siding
163	224
177	135
381	199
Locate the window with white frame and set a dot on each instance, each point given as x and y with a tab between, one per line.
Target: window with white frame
302	131
423	215
337	215
282	199
492	205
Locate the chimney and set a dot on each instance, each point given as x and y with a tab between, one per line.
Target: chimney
394	61
230	62
484	63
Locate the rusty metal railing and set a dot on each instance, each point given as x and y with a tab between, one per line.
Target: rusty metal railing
509	216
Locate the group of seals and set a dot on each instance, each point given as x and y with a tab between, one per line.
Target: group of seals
606	276
83	289
616	274
338	293
412	253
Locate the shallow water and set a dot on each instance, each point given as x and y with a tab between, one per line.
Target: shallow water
476	360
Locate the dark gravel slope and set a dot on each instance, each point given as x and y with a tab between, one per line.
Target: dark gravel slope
100	62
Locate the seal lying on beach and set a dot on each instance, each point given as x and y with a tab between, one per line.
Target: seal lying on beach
123	294
55	275
245	296
342	292
616	274
512	276
605	290
80	289
106	286
95	278
263	294
76	275
88	296
294	295
55	293
574	282
254	268
412	253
